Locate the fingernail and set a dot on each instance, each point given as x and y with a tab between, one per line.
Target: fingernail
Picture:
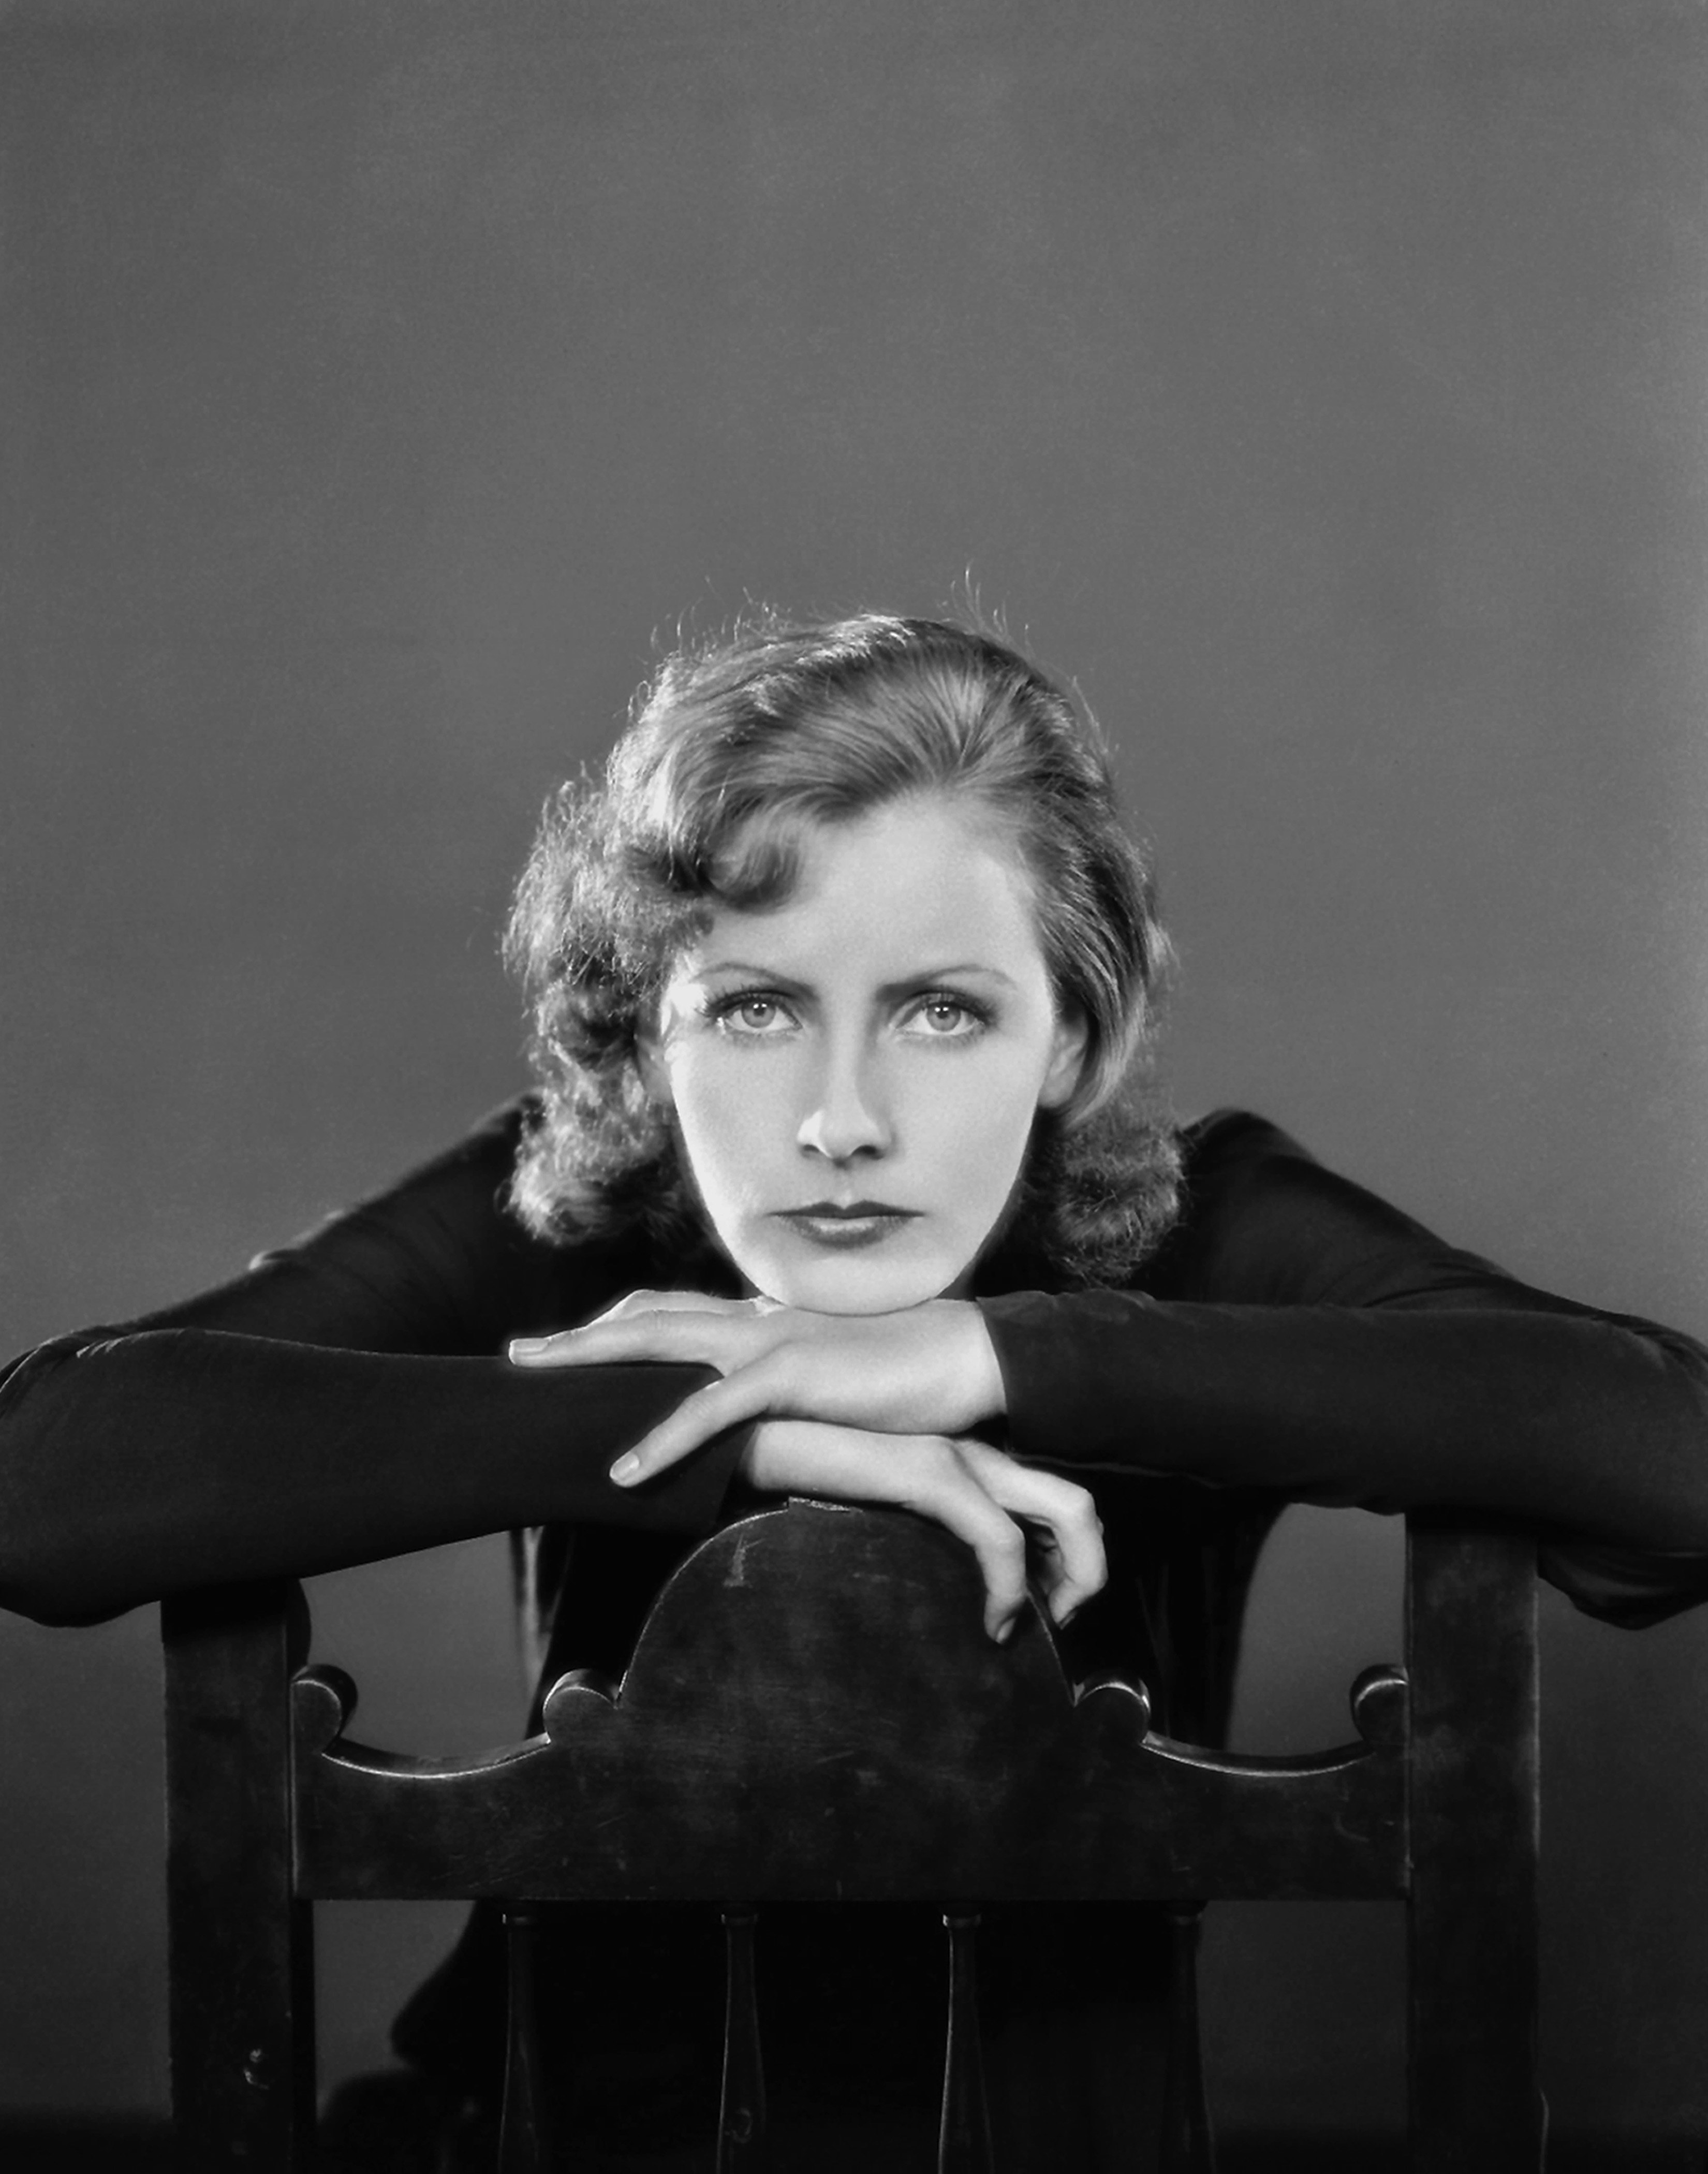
522	1347
1003	1631
626	1469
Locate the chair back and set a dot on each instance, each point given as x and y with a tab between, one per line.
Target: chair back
813	1712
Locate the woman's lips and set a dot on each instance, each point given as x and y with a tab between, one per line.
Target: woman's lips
861	1223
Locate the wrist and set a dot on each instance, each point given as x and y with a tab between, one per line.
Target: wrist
987	1393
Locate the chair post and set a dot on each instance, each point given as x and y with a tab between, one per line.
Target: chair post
963	2130
524	2131
743	2145
242	1974
1471	1658
1188	2141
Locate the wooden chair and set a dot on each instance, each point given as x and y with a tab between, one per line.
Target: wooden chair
775	1737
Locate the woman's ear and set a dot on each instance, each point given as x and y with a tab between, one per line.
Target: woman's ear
1067	1061
655	1073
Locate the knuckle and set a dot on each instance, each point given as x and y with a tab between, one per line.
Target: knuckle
1008	1584
1075	1506
945	1458
1008	1546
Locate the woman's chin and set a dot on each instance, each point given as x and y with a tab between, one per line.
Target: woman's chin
853	1287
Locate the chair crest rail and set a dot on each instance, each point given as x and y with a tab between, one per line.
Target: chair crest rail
742	1739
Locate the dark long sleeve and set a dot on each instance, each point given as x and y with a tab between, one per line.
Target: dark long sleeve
1300	1335
344	1401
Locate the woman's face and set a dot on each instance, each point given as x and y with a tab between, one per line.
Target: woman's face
854	1072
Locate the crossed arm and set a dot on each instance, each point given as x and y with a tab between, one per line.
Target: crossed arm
342	1401
875	1408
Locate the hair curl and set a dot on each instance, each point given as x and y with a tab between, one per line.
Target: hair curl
735	748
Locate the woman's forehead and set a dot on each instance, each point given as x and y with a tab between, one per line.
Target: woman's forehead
922	875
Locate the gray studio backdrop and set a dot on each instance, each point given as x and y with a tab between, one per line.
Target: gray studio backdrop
1321	385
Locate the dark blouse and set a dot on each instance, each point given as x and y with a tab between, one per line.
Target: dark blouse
1294	1337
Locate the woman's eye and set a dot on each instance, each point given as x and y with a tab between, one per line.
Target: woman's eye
946	1018
751	1014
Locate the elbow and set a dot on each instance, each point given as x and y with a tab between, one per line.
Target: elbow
1647	1422
56	1611
53	1568
61	1561
41	1584
55	1608
1678	1524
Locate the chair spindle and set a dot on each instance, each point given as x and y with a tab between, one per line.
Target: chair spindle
964	2135
1471	1657
742	2147
524	2135
1188	2143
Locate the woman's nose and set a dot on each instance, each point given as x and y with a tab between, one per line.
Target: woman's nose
844	1115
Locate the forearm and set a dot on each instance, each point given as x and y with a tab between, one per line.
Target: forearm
169	1458
1572	1421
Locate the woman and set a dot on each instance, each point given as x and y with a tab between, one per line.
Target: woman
842	989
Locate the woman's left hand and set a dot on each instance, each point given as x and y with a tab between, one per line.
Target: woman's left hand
1004	1512
929	1370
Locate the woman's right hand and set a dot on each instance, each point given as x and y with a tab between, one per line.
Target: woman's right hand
983	1496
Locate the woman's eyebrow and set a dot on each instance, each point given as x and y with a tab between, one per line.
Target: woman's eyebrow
937	977
968	969
742	966
923	979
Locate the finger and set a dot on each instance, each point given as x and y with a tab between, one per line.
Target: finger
1076	1566
955	1498
924	1473
702	1413
672	1301
1000	1547
533	1348
688	1335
